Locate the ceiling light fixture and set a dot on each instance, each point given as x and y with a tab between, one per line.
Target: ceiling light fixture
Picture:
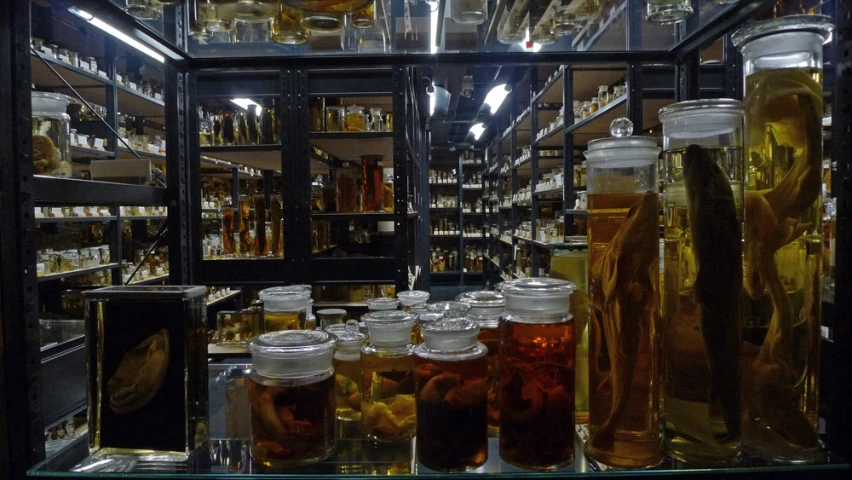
477	130
97	22
496	96
245	102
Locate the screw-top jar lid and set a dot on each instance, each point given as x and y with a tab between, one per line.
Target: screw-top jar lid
348	335
538	296
382	303
292	353
622	137
450	334
702	118
486	306
412	297
819	24
283	299
389	328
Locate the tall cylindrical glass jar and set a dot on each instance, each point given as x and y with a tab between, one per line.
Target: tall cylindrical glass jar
287	29
701	285
283	309
451	378
51	130
573	265
486	307
624	252
537	374
469	12
291	392
782	63
347	369
371	185
387	377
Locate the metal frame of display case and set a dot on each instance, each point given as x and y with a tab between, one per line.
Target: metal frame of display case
21	416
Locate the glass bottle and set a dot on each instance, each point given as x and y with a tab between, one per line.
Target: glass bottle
537	374
245	225
668	11
291	393
366	17
334	118
249	10
451	384
284	309
287	27
387	377
347	369
229	247
387	190
372	40
701	292
240	128
469	12
587	109
51	134
623	219
511	28
595	105
486	307
318	115
324	22
573	265
268	124
544	33
603	95
410	298
376	123
252	124
782	64
276	243
261	249
381	303
346	189
371	183
356	120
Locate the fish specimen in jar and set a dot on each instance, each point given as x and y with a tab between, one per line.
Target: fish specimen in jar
140	374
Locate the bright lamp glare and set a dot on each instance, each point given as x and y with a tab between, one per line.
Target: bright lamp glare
117	33
245	102
477	130
433	30
495	97
431	104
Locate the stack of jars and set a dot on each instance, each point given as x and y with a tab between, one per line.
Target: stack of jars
332	115
251	125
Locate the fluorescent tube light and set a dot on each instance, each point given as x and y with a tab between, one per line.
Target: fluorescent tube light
477	130
433	29
245	102
117	33
495	97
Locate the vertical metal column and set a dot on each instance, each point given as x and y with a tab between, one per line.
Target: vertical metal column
177	173
634	96
423	209
296	173
111	92
534	203
568	150
193	166
21	427
733	61
686	69
513	143
460	216
499	250
400	181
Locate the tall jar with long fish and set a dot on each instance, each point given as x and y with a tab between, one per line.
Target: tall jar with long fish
624	333
782	64
701	298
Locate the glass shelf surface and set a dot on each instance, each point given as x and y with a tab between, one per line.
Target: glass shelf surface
227	454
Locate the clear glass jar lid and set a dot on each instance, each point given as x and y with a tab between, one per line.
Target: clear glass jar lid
305	288
448	308
391	328
450	335
348	335
702	118
382	303
283	299
412	297
292	353
355	109
49	104
621	130
819	24
485	305
546	296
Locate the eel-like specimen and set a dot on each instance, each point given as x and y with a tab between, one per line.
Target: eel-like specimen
717	243
140	374
629	298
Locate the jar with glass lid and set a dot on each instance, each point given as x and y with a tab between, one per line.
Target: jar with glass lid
410	298
451	378
387	377
291	392
356	119
376	122
486	307
702	276
335	116
381	303
603	95
623	223
284	309
51	129
468	12
537	374
347	369
782	253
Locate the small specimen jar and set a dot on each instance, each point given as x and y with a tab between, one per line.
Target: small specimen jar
537	374
283	309
291	392
423	318
451	378
409	298
364	18
331	316
668	11
603	95
236	328
356	119
347	369
486	307
287	27
334	118
387	377
469	12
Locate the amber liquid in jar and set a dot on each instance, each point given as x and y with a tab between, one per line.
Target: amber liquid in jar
347	392
291	425
387	397
245	216
371	188
277	321
355	122
260	246
228	245
537	394
490	337
346	194
623	361
452	395
276	245
387	196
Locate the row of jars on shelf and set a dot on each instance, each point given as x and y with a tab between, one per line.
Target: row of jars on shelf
50	261
447	260
331	114
252	125
551	180
364	187
442	225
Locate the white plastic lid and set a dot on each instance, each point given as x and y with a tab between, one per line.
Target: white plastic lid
450	335
486	306
283	299
382	303
292	353
389	328
538	296
412	297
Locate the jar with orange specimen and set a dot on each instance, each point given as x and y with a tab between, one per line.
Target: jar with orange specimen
347	370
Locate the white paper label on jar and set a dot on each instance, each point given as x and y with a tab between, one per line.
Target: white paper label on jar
153	148
131	85
99	143
57	212
65	58
83	140
47	51
118	78
158	96
102	73
84	65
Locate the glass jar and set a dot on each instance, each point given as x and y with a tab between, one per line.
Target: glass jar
371	183
372	40
283	309
376	123
782	64
323	6
573	265
567	19
544	34
348	193
587	109
327	22
228	128
623	221
291	392
387	190
237	328
387	379
537	374
229	248
51	129
618	91
366	17
410	298
331	316
388	118
142	10
595	105
240	128
486	307
287	28
603	95
245	225
268	124
318	114
249	10
347	369
451	378
356	120
381	303
703	208
469	12
668	11
334	118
